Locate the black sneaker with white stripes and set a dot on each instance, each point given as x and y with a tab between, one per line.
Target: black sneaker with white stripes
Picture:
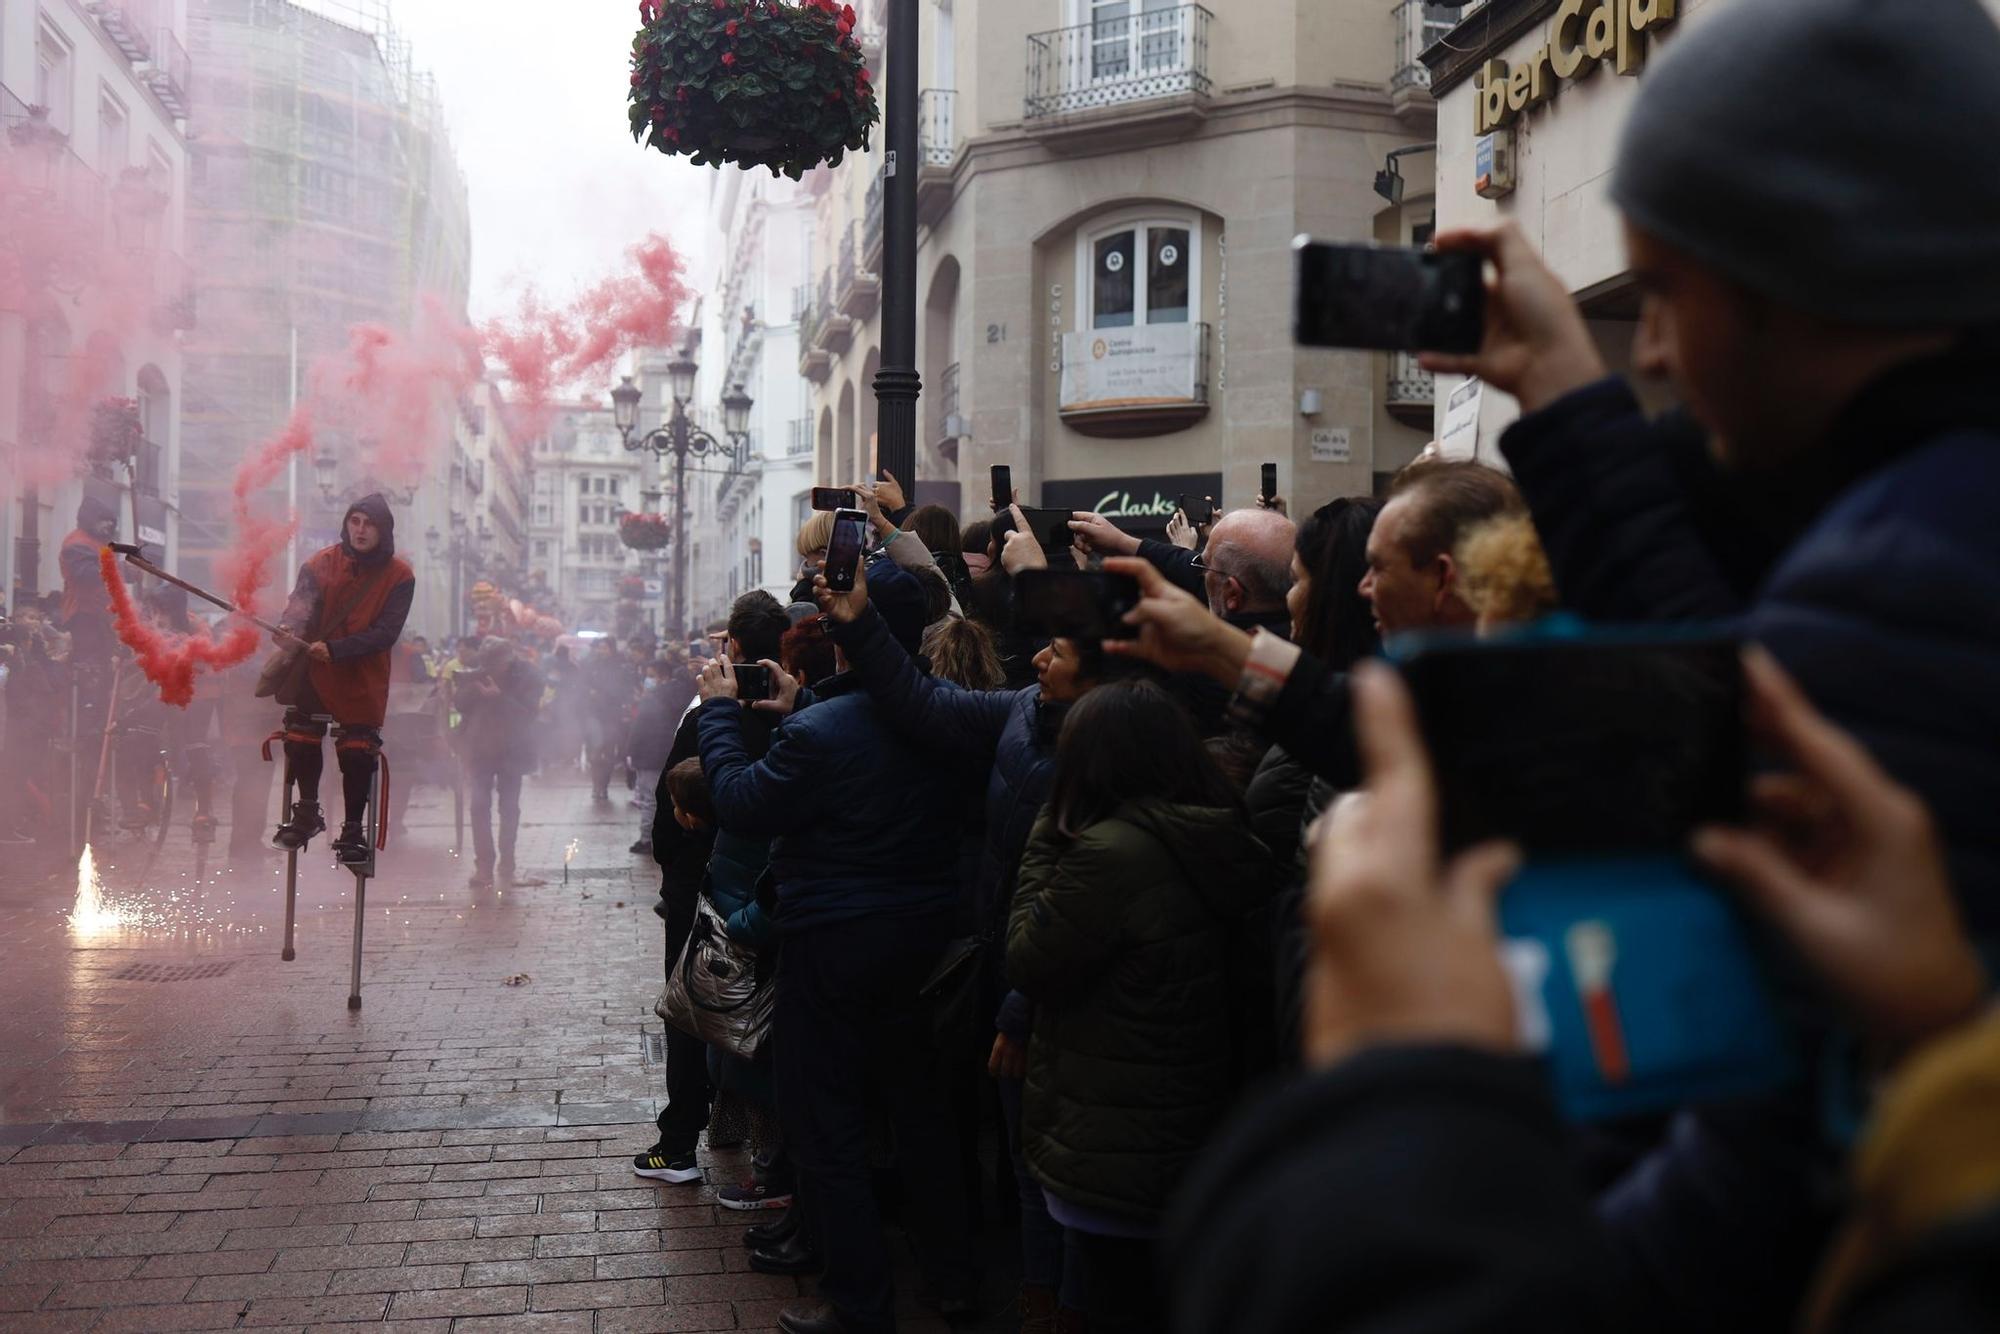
659	1166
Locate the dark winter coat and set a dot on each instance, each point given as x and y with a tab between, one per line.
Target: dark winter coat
499	730
863	824
1123	937
733	870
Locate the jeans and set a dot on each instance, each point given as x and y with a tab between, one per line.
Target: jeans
645	792
1044	1242
849	1032
485	780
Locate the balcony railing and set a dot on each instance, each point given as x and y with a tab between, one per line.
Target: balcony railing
946	423
846	265
937	141
1412	390
799	438
130	24
802	296
168	78
1418	27
860	285
1153	54
871	227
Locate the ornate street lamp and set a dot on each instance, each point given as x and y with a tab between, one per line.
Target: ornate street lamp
680	437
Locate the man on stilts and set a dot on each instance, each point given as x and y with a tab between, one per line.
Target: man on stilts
348	609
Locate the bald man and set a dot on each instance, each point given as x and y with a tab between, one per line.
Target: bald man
1243	572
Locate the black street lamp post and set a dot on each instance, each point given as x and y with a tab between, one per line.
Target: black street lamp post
897	384
680	437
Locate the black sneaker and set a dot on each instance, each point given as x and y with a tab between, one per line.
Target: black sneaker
298	831
679	1168
351	848
640	847
755	1195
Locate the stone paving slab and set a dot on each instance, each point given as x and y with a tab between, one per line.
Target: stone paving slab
238	1150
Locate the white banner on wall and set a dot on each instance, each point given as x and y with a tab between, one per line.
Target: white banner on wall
1142	366
1458	435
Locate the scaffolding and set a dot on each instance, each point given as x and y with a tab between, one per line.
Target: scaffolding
324	193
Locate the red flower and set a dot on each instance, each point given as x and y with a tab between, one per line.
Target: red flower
844	26
648	10
728	58
681	93
730	27
846	13
670	134
862	76
635	78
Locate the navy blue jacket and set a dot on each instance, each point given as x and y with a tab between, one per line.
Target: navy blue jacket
1008	734
862	824
1881	601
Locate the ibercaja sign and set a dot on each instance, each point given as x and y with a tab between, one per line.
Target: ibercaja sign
1583	34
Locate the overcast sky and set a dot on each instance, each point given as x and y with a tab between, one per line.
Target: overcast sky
535	95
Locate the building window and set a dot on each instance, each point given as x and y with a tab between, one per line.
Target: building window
1142	273
114	136
54	71
542	549
583	514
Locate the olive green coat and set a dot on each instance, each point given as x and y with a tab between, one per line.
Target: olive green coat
1123	937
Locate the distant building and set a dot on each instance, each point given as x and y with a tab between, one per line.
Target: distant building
325	194
93	193
1107	193
583	479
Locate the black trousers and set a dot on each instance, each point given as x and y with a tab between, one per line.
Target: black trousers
848	1034
682	1120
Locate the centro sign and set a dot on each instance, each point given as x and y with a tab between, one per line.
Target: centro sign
1584	32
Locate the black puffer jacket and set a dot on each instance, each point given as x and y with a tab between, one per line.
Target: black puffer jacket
1125	938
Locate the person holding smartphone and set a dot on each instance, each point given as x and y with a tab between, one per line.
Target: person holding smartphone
865	833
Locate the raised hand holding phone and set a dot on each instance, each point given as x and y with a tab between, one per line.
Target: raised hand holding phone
1180	531
1021	551
717	681
842	605
784	690
1848	864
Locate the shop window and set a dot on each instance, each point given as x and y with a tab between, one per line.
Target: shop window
1142	273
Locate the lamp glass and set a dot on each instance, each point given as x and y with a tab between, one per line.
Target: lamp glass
736	411
680	377
625	405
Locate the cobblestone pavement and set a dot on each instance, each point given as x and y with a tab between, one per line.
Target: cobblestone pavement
197	1135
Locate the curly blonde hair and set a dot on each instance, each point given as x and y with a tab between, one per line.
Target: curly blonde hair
1504	574
962	652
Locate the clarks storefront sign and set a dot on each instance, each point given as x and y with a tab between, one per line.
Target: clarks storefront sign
1584	33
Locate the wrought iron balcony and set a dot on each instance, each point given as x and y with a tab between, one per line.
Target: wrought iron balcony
871	228
799	438
168	78
860	289
815	362
833	332
937	139
130	24
947	425
1412	391
1156	53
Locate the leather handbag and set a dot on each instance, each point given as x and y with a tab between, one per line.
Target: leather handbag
721	990
950	994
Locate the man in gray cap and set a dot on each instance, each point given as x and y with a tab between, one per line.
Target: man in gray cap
1814	227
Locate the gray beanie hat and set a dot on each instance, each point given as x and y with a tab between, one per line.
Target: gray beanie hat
1835	155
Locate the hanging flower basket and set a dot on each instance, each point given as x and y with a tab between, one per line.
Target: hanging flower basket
632	588
643	532
758	83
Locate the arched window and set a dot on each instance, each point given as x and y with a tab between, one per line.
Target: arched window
1144	270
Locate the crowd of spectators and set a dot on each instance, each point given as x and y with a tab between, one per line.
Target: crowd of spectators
1258	1054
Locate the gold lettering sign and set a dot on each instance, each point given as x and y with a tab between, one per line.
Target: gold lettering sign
1582	33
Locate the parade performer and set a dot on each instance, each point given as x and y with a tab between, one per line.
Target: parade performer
348	609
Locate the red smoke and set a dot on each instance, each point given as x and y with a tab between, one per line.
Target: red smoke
542	351
169	660
395	392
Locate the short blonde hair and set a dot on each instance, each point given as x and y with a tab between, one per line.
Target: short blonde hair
815	533
1504	574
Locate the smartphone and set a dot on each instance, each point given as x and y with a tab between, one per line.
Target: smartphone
1399	299
1003	487
1074	604
843	549
834	498
1640	982
1602	744
1050	528
1201	513
753	681
1268	485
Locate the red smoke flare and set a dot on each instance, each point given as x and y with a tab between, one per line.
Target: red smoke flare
395	393
169	660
